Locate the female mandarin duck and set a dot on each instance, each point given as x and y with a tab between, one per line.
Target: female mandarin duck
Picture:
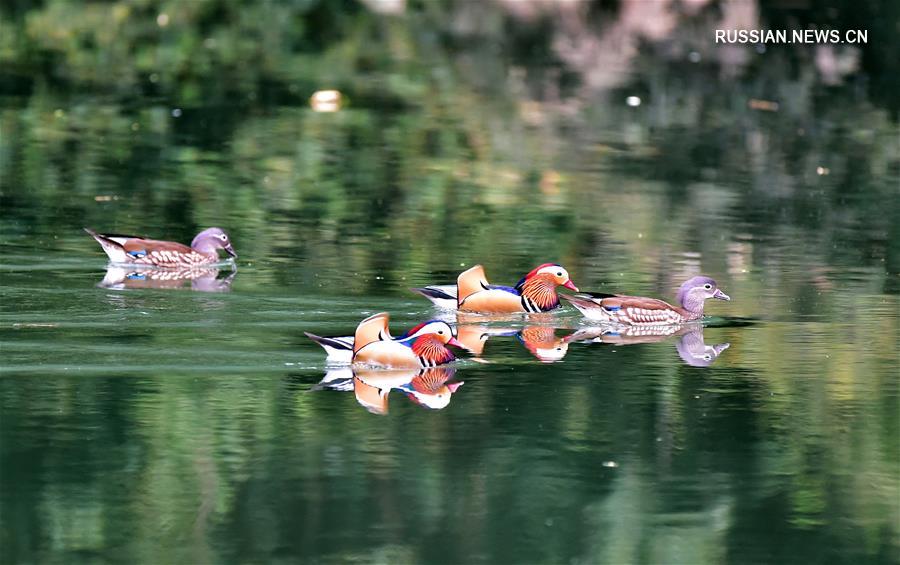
421	347
638	310
340	349
536	292
132	250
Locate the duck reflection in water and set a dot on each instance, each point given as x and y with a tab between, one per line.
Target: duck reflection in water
540	341
690	345
200	279
430	388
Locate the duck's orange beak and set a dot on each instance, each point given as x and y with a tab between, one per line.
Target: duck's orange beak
570	285
453	341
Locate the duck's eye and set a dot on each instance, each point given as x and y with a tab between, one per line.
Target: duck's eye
707	286
440	332
559	273
224	237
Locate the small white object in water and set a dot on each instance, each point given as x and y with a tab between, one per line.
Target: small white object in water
822	171
326	100
610	464
162	20
176	112
633	101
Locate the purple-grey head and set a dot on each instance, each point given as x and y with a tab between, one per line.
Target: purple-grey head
696	290
211	240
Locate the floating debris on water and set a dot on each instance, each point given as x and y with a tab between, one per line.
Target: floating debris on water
326	100
763	105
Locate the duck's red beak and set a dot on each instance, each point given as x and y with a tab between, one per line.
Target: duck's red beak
453	341
570	285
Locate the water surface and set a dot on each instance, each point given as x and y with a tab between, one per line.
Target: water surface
170	425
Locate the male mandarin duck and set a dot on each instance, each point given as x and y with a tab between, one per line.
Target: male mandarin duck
132	250
638	310
536	292
340	349
423	346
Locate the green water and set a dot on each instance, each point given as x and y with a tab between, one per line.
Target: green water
177	426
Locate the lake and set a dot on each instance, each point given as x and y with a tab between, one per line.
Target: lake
154	421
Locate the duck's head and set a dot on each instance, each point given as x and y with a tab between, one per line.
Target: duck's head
696	290
550	272
437	328
211	240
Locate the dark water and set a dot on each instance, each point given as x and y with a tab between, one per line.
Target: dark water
165	425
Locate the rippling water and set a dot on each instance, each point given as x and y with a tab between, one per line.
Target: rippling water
148	421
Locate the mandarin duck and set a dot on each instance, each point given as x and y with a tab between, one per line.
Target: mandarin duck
424	345
638	310
690	345
201	279
340	349
132	250
535	292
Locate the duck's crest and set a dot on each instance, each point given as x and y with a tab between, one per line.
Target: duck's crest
534	272
469	282
374	328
